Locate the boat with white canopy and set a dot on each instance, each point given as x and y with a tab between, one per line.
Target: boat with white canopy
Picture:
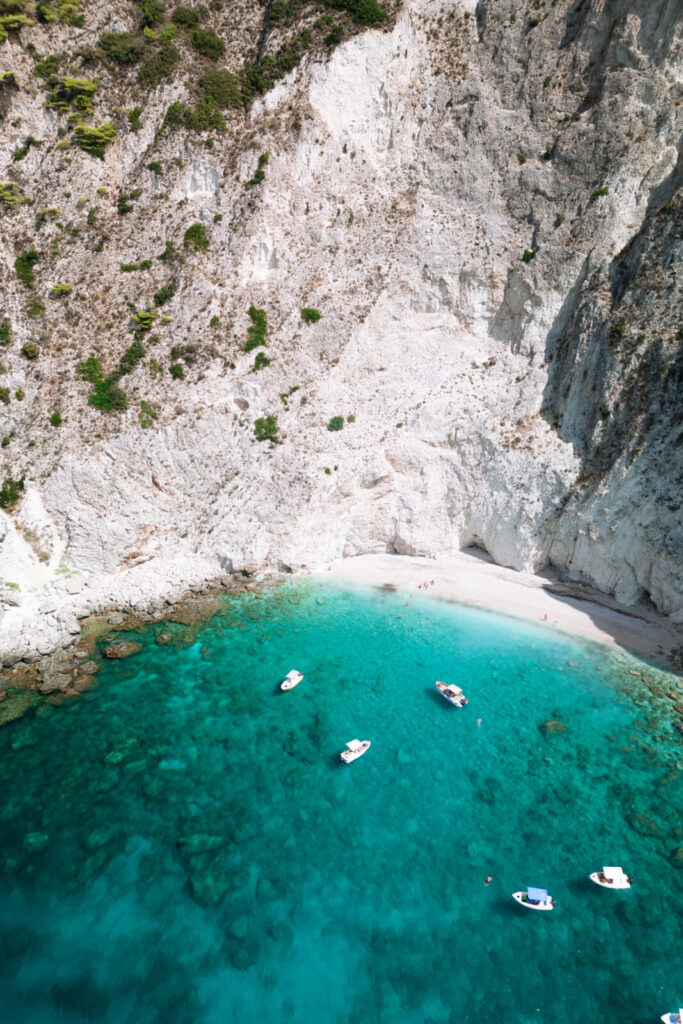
673	1018
354	750
292	679
534	899
611	878
452	693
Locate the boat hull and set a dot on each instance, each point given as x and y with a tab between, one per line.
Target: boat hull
458	700
289	684
671	1018
531	906
608	885
348	756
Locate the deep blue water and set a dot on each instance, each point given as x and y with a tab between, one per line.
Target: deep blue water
181	845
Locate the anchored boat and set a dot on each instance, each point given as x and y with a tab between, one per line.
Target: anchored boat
292	679
452	693
611	878
534	899
673	1018
354	750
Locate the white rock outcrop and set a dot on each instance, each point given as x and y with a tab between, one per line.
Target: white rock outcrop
406	178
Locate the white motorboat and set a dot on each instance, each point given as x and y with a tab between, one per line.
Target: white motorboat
452	693
354	750
291	680
611	878
534	899
673	1018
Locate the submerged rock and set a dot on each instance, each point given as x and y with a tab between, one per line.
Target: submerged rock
55	682
553	728
34	842
646	826
16	704
199	842
100	837
676	857
123	650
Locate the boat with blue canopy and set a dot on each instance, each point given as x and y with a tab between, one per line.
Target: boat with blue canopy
534	899
673	1018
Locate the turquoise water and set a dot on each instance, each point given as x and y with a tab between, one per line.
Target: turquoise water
181	845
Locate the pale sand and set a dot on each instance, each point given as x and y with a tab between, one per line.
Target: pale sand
470	579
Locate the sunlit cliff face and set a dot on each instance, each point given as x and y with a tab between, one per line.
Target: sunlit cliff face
482	204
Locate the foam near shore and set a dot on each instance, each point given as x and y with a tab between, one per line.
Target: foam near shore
473	579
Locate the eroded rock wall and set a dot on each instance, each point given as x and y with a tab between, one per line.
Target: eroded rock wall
487	397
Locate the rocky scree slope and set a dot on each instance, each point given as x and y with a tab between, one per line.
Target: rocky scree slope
479	203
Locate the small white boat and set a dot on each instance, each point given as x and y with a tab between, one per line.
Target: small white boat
534	899
354	750
452	693
673	1018
291	680
611	878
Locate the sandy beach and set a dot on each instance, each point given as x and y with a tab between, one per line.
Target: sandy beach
472	579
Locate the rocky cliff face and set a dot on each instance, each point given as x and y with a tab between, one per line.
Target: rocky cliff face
483	202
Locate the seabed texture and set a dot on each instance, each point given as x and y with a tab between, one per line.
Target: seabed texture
181	845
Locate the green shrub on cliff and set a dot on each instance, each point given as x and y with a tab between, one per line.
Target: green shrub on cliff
122	47
151	12
106	394
221	86
71	92
159	65
58	290
206	42
205	117
265	429
165	293
24	265
196	238
20	153
256	334
185	16
93	140
10	492
11	194
147	414
259	174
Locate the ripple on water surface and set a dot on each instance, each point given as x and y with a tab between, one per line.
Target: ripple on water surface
182	845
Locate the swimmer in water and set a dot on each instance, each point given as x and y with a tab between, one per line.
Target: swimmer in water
479	721
488	880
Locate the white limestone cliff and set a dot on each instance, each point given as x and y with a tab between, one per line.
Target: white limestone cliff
406	178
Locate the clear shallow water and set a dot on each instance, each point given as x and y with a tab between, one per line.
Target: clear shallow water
181	844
